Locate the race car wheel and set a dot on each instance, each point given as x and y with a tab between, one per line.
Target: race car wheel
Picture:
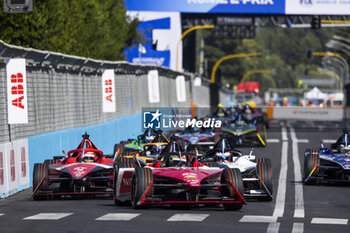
264	171
234	176
51	161
118	150
311	160
265	160
126	163
40	171
141	181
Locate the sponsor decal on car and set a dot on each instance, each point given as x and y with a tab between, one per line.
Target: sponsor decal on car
189	175
79	171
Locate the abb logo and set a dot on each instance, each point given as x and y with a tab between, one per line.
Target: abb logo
23	162
109	90
17	89
1	169
12	165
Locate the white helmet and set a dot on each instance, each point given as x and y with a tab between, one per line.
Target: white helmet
345	149
88	157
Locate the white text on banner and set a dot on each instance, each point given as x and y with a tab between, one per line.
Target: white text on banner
108	91
17	91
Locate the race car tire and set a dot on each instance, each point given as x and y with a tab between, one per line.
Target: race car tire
235	177
267	161
40	171
311	159
119	149
141	180
51	161
264	171
126	163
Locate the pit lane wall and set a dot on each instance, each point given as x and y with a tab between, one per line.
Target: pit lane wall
64	100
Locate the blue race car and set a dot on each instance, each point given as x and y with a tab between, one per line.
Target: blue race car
329	165
202	139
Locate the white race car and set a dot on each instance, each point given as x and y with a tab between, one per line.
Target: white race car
256	172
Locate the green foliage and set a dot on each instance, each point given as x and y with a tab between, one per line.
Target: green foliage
89	28
284	52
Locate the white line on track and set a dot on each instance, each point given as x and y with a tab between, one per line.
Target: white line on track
117	217
298	227
282	185
284	134
299	211
273	227
339	221
258	218
48	216
188	217
1	214
330	141
273	140
303	140
282	182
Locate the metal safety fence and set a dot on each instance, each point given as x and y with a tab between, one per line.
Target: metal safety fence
65	91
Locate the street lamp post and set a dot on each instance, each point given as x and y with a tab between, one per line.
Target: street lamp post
336	56
328	73
183	36
239	55
250	72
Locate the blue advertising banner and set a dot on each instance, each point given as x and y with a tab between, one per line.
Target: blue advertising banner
145	54
209	6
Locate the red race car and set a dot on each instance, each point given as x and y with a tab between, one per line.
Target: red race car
177	178
83	171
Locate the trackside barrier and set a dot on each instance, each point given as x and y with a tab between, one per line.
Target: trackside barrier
308	113
64	95
14	167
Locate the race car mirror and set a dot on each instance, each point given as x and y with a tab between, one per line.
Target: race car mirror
249	157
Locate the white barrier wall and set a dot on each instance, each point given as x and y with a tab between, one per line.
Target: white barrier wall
14	167
308	113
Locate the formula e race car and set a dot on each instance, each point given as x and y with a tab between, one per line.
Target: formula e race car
249	112
83	171
178	179
203	139
244	132
145	152
331	165
150	136
256	172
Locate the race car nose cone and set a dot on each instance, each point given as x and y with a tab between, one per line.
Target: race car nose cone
191	179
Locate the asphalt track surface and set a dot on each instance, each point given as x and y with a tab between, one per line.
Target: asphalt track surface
295	208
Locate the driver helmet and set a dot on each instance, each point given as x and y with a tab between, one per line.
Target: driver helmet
223	156
150	137
345	149
88	157
151	150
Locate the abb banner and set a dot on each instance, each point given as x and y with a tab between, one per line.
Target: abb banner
180	88
153	86
17	91
108	91
14	167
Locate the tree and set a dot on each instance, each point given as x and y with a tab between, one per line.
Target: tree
96	29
